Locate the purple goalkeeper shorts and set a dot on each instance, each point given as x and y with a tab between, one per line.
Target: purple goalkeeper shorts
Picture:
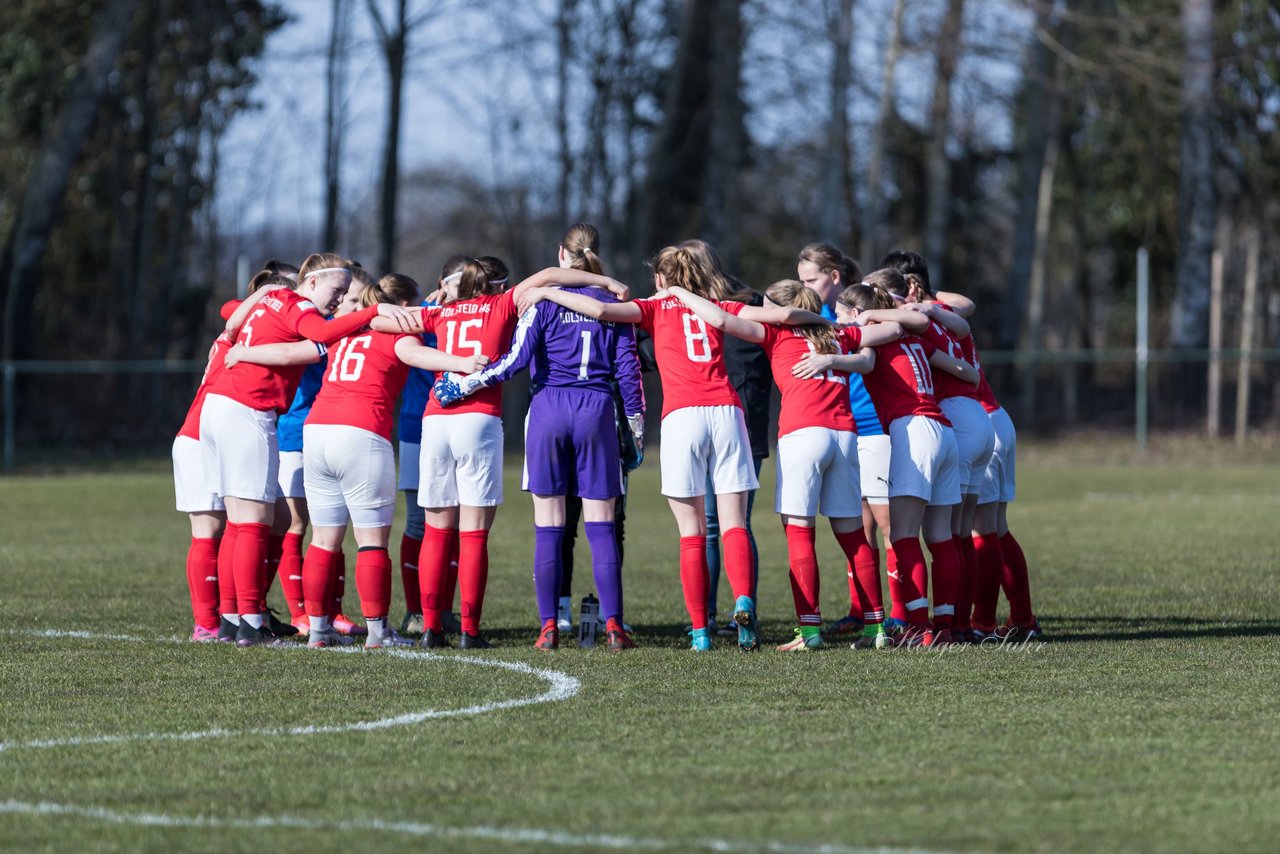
571	444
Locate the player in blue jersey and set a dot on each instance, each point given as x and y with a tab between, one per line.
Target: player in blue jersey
571	445
412	404
826	270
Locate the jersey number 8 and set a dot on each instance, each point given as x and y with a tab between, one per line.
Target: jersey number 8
696	342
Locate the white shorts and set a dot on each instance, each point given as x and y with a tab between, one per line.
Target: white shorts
999	483
702	440
818	473
873	463
241	457
975	440
189	480
461	461
923	460
290	477
409	462
350	474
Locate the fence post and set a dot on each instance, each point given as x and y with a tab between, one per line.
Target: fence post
1247	323
10	419
1142	352
1215	346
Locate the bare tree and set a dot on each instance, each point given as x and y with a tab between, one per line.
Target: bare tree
1041	101
721	208
873	210
1196	216
335	79
46	183
564	49
834	203
394	41
937	166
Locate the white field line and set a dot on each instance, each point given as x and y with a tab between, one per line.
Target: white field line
516	835
561	686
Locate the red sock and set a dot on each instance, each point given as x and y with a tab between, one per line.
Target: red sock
693	578
1014	580
897	605
803	560
290	573
373	582
410	548
226	570
270	566
910	560
337	582
968	581
251	552
738	565
473	576
864	566
433	563
986	590
946	581
451	573
315	581
202	581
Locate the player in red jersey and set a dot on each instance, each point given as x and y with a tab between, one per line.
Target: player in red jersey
205	509
460	467
237	424
961	403
703	429
817	460
923	476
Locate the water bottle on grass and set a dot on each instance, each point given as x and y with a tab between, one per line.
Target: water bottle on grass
587	621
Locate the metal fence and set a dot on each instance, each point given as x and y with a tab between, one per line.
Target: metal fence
103	408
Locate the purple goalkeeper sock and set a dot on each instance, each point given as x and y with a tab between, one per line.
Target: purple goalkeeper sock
547	566
607	567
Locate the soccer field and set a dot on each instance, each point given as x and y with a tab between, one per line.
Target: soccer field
1149	720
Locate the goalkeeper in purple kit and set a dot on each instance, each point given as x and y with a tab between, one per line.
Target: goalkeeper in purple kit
571	442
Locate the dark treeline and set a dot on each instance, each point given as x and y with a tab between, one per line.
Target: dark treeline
1030	147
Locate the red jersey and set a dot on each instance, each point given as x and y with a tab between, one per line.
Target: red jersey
280	317
479	326
969	352
948	385
821	401
901	383
215	367
360	388
690	354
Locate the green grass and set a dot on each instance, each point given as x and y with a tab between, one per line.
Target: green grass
1149	721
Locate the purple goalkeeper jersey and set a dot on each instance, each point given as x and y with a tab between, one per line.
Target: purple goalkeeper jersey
570	350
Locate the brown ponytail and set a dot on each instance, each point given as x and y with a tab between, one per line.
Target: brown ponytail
393	288
474	281
792	293
695	266
582	243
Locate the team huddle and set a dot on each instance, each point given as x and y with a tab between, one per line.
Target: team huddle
887	424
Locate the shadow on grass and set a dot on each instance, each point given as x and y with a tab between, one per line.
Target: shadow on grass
1078	629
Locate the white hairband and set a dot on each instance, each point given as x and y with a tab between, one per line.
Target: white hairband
501	281
451	278
328	270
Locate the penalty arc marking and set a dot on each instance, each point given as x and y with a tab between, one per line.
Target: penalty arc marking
560	686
